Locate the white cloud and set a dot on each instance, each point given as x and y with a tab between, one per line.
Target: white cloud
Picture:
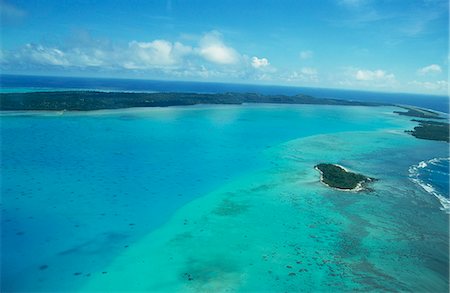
206	56
259	62
158	52
439	85
375	75
309	71
351	77
305	74
41	56
44	55
137	55
142	55
306	54
88	58
433	68
214	50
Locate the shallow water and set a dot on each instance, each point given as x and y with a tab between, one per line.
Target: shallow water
216	198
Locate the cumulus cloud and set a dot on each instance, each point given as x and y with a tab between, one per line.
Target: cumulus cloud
259	62
430	69
158	52
138	55
375	75
142	55
87	58
306	54
207	56
213	49
39	54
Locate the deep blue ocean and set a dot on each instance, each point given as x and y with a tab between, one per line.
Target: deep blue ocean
438	103
433	177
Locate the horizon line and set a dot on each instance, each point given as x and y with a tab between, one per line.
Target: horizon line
224	83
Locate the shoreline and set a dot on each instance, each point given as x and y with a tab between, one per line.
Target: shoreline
158	108
359	187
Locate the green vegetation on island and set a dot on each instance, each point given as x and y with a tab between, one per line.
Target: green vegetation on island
337	177
431	130
418	112
96	100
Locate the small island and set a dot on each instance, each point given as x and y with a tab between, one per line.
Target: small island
338	177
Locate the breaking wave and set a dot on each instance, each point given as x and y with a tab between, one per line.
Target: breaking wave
433	177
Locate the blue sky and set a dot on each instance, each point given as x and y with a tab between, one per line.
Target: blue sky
391	45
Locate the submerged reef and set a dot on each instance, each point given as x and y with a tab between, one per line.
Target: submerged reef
431	130
336	176
96	100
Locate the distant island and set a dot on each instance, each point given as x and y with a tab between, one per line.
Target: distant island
431	130
97	100
338	177
418	112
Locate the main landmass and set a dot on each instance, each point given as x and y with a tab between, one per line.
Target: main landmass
336	176
97	100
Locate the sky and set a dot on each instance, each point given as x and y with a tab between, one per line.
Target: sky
384	45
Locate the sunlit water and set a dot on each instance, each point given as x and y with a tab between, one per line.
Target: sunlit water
216	198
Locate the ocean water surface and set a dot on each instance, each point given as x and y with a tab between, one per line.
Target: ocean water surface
433	177
219	199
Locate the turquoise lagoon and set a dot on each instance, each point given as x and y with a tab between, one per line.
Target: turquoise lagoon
217	199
